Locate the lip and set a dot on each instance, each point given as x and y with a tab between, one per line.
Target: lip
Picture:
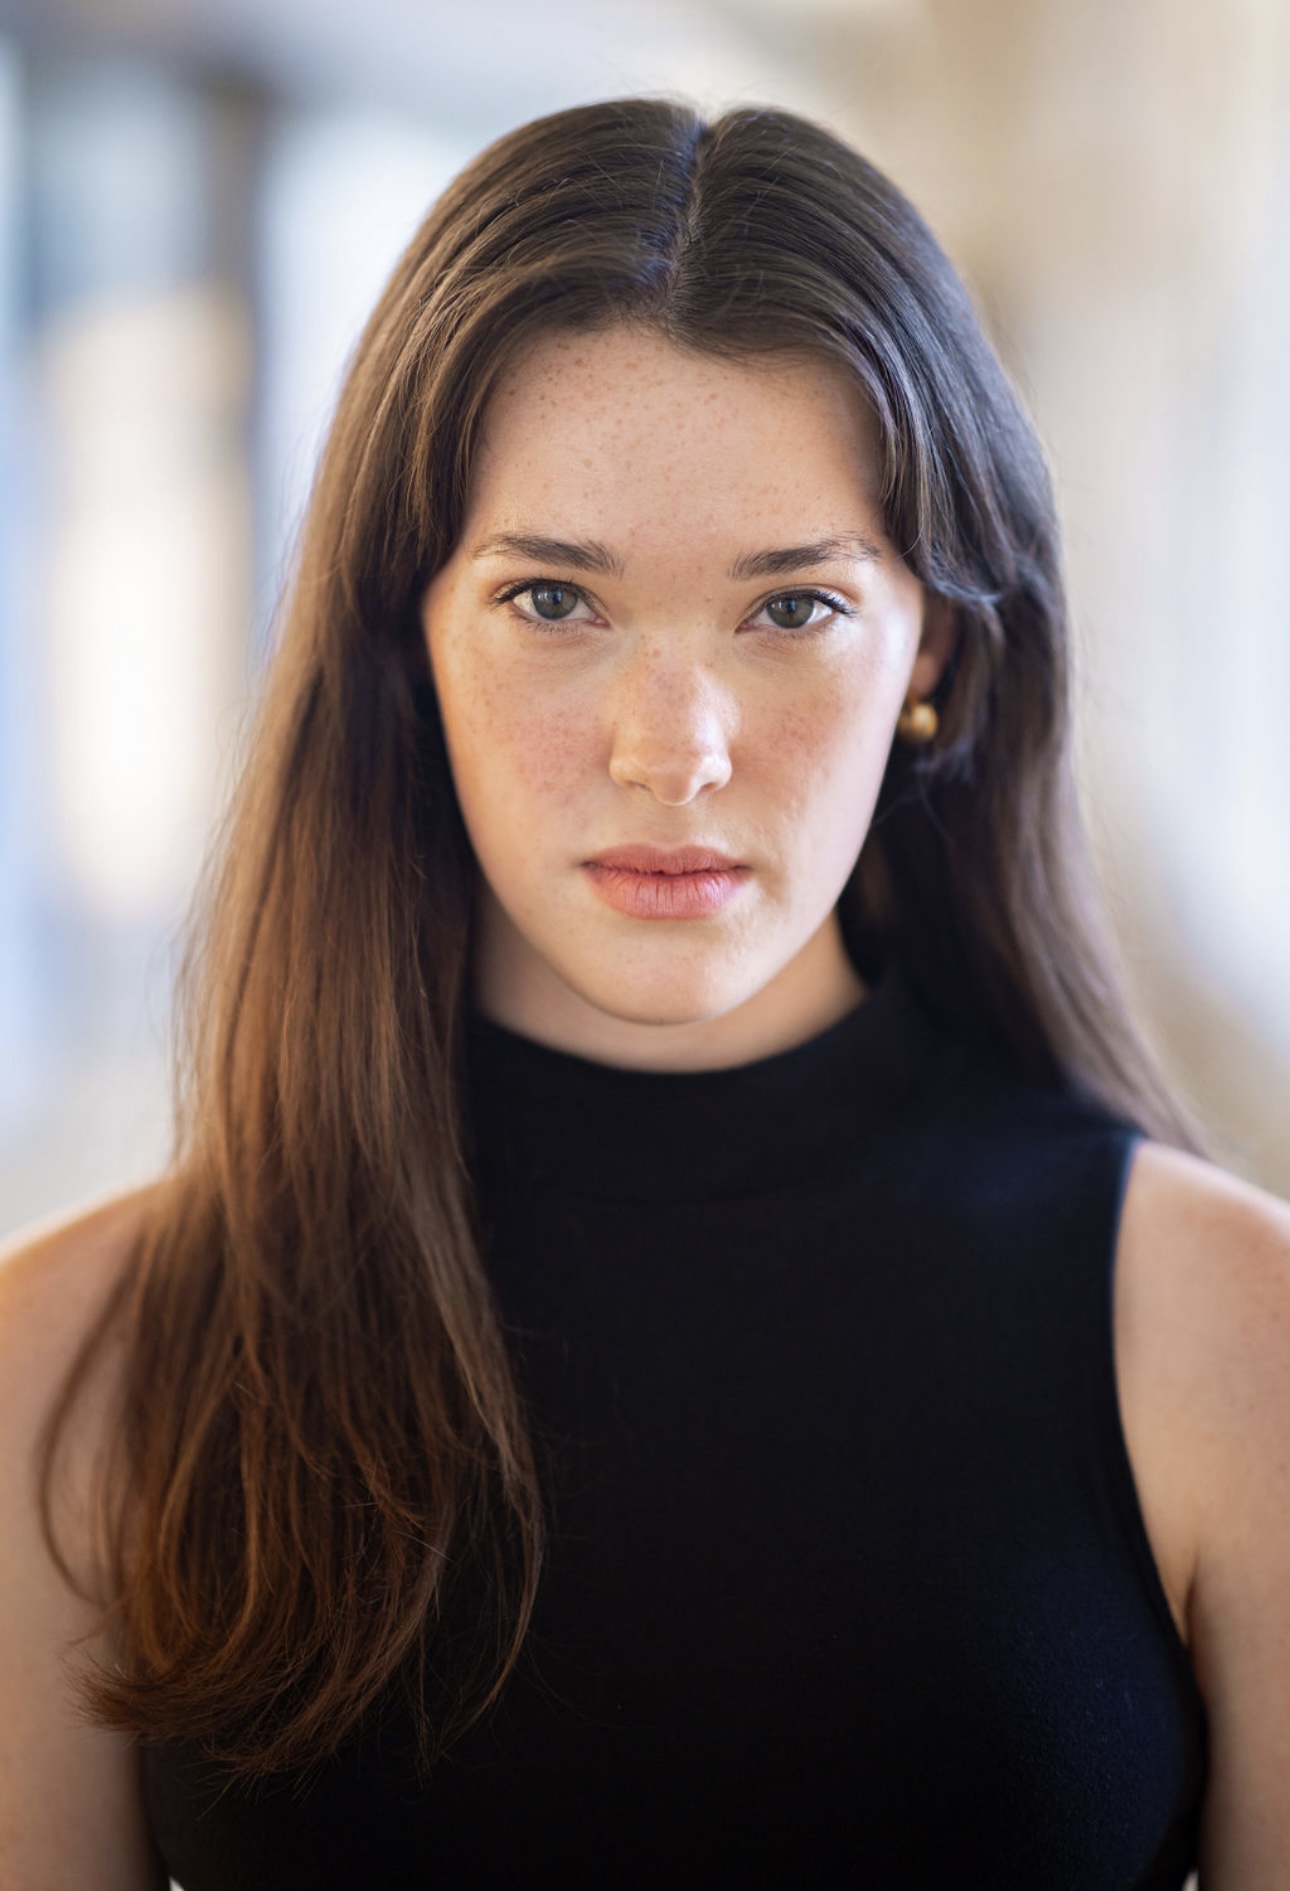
645	859
666	882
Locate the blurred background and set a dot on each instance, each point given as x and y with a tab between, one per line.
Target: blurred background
199	201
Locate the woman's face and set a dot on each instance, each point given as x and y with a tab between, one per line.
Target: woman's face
672	622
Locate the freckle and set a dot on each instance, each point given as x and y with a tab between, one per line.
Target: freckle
543	755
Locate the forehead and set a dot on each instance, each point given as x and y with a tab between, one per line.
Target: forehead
621	427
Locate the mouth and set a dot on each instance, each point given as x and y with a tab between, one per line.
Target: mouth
669	860
666	882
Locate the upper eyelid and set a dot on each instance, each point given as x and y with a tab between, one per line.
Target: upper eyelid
825	596
509	592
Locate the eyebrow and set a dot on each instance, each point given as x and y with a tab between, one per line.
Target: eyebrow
774	564
573	554
591	555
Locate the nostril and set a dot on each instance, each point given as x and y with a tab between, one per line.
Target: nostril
671	776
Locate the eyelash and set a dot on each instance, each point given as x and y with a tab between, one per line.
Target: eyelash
838	606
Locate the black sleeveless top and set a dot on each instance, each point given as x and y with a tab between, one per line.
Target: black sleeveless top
849	1583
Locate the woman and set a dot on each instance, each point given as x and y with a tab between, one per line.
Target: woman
627	1377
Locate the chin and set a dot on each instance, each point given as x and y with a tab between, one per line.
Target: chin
696	998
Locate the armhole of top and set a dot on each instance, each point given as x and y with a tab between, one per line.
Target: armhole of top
1123	1485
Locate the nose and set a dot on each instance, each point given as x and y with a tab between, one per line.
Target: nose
671	733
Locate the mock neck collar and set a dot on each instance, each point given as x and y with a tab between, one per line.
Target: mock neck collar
566	1123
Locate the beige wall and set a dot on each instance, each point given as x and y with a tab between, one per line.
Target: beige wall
1112	177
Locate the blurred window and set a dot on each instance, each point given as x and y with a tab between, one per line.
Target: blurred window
17	1038
342	192
1218	763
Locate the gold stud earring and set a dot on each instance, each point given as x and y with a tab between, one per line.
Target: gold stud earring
917	722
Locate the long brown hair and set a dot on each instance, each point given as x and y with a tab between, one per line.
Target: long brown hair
320	1437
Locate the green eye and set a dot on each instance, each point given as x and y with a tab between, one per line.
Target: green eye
793	611
553	601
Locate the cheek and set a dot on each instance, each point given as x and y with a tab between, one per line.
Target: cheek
823	756
515	755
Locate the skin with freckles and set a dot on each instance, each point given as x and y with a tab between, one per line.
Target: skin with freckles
672	619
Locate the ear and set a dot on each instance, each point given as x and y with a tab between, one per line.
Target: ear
936	646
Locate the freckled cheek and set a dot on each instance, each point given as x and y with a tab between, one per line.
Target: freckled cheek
818	759
517	759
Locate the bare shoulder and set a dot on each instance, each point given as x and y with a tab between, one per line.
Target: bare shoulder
1204	1267
1220	1218
1203	1350
56	1274
56	1277
70	1809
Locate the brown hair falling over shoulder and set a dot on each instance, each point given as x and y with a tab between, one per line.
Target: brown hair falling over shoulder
319	1432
